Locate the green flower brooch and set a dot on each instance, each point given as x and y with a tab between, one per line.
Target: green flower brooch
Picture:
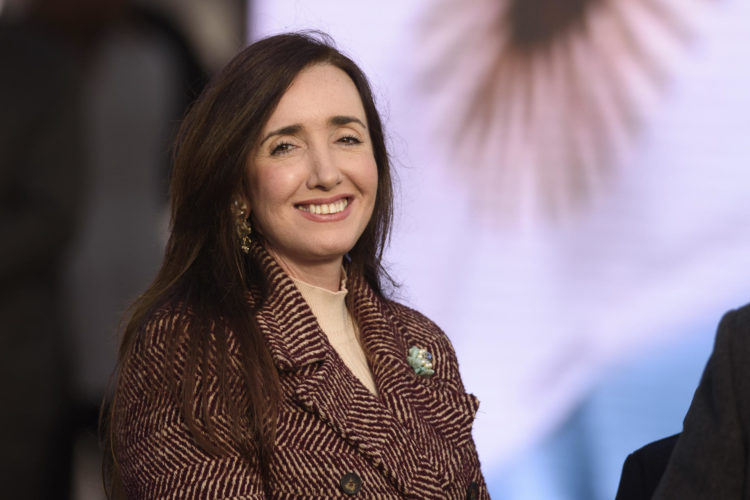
420	361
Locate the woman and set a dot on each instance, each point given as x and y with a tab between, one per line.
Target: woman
264	361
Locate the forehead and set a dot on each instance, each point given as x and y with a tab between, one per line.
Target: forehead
317	93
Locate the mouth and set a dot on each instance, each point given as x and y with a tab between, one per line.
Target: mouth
334	207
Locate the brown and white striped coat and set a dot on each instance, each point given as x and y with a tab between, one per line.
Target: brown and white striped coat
412	440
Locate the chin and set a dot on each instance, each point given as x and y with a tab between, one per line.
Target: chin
332	249
335	252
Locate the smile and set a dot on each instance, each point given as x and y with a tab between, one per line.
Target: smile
326	208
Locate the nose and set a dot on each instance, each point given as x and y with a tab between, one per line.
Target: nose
325	173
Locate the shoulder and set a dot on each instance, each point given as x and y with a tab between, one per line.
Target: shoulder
737	319
420	331
726	372
733	335
730	361
170	342
153	349
410	316
170	326
417	326
161	330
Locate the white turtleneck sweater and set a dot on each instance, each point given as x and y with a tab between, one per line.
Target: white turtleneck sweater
334	319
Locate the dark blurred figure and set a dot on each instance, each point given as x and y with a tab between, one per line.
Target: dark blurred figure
41	171
90	94
138	82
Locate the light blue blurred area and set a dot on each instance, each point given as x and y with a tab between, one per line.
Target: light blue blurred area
637	402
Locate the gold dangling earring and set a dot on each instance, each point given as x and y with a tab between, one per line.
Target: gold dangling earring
242	226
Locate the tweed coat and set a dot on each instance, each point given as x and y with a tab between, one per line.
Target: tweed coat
710	458
334	437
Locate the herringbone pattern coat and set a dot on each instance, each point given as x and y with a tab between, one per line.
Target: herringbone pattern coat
413	440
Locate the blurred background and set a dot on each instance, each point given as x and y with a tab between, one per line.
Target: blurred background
573	207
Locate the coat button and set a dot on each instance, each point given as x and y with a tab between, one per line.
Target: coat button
472	492
350	483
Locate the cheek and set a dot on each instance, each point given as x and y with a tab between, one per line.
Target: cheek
270	188
368	185
368	177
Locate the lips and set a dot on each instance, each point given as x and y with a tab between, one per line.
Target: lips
334	207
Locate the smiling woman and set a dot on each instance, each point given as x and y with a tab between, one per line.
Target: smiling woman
265	360
313	178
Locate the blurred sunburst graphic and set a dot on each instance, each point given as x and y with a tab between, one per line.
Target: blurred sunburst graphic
535	101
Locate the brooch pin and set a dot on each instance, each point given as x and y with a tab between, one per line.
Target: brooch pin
421	361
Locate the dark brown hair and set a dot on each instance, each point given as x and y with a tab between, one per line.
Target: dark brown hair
203	268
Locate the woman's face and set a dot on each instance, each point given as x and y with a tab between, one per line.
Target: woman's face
313	177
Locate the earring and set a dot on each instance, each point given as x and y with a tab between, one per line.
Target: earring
242	226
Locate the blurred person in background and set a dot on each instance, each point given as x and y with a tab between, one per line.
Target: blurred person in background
91	94
138	81
265	359
709	458
42	166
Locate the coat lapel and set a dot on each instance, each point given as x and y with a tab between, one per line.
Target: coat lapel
436	409
317	379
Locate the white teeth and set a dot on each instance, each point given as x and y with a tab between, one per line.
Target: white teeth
326	208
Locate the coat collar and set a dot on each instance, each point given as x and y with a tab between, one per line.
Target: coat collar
295	338
320	381
289	326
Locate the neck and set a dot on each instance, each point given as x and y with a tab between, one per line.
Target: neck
323	274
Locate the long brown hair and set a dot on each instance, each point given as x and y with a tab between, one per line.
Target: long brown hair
204	269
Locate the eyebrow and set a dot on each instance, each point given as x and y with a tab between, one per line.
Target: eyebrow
337	120
345	120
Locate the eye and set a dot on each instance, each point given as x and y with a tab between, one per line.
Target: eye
282	148
349	140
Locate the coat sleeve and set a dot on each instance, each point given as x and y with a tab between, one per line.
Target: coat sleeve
709	459
156	454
